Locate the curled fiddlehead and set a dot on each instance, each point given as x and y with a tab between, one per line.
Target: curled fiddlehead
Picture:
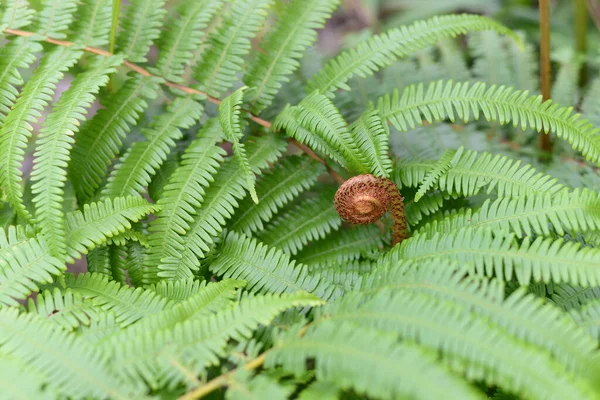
364	199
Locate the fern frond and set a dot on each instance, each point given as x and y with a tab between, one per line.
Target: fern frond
108	260
23	266
100	138
372	136
93	225
140	25
308	221
220	200
177	45
570	297
92	26
16	14
21	380
277	186
266	269
574	211
223	59
428	205
16	128
352	357
470	342
439	168
317	122
64	309
294	31
490	54
54	18
343	246
198	343
178	291
18	53
184	193
565	88
53	146
135	169
501	104
382	50
229	117
206	301
527	317
540	260
473	171
70	366
129	304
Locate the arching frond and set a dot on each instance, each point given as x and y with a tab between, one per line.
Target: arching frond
294	31
317	122
64	309
92	26
16	128
25	265
19	53
229	43
310	220
99	140
71	366
93	225
450	100
53	146
277	186
178	291
135	169
490	53
588	317
184	193
343	246
176	46
372	136
368	361
535	214
266	269
197	344
382	50
473	171
570	297
220	200
140	26
229	117
129	304
590	108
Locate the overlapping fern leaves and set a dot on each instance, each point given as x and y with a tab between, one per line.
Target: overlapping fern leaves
200	258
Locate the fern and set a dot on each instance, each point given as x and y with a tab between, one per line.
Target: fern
140	27
380	51
16	128
142	160
294	32
63	309
265	269
229	43
450	100
52	151
54	18
286	180
229	117
92	26
15	14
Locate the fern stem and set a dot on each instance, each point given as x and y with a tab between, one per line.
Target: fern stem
544	10
222	380
581	30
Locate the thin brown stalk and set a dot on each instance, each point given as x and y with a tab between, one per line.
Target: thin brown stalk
544	10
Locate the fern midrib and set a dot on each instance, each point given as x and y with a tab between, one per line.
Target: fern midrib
9	69
183	27
372	145
51	18
92	22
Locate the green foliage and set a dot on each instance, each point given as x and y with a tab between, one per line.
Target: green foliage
191	177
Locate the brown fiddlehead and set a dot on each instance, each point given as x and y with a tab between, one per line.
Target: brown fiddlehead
364	199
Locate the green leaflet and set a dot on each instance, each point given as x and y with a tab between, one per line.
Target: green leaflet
229	117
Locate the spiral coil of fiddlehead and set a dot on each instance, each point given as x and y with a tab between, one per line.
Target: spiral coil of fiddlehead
364	199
